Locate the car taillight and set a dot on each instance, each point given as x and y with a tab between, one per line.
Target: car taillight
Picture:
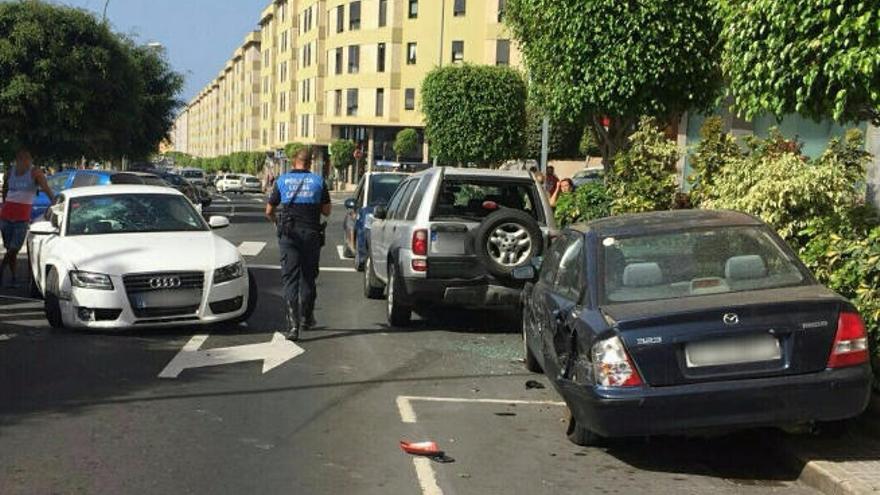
420	242
850	342
612	366
420	265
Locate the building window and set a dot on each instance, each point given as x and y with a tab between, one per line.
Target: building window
409	102
282	102
410	54
340	18
354	16
351	108
380	58
383	13
284	41
502	52
413	11
354	59
282	11
339	60
502	6
307	55
380	102
459	8
282	71
457	51
308	19
338	102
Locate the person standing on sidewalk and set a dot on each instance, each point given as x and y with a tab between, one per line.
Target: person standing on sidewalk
296	203
19	190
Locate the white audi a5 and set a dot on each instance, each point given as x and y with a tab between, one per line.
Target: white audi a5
123	256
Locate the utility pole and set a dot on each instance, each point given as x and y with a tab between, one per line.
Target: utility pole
545	142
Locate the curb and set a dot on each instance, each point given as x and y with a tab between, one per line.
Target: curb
821	475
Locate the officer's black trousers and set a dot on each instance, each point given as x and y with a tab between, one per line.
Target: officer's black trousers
300	255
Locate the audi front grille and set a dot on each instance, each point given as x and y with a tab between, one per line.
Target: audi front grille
148	282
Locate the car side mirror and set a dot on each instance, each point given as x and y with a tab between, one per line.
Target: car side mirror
380	212
526	272
218	222
350	204
43	228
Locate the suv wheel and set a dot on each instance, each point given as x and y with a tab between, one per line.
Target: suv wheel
398	314
372	285
506	240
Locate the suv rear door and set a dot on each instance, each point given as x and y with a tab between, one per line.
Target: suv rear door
385	232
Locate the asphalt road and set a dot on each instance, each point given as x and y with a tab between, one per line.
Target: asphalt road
88	413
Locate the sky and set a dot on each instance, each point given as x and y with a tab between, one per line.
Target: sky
199	35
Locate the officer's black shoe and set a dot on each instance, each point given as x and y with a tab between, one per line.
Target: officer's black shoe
293	325
309	322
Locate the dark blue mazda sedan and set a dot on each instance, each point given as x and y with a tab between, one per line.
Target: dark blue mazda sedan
682	321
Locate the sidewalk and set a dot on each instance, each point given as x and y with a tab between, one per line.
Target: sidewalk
845	463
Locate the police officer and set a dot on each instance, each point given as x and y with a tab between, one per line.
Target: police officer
296	203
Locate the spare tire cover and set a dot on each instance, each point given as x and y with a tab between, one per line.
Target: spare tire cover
507	239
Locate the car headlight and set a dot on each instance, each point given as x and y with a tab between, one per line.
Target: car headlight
90	280
228	272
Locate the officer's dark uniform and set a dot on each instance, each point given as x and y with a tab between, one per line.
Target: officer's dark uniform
299	196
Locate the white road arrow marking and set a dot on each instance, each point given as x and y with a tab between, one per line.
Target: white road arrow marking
250	248
273	354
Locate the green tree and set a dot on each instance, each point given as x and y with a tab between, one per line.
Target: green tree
406	143
69	87
342	153
588	59
474	114
818	59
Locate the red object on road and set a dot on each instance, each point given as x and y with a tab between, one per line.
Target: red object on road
421	448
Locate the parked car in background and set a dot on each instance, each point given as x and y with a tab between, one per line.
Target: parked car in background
587	176
229	183
687	320
251	184
197	195
453	236
195	176
136	256
68	179
374	189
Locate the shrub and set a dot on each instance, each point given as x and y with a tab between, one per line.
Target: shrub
715	149
342	153
406	143
789	191
849	265
643	177
474	114
587	202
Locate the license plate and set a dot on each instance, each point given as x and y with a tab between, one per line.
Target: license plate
164	299
752	349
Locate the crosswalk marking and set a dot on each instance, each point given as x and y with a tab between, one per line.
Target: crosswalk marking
251	248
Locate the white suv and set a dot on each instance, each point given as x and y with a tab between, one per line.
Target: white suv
229	183
454	236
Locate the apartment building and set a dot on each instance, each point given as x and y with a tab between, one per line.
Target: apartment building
319	70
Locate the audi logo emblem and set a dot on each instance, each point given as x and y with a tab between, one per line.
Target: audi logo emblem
730	319
164	283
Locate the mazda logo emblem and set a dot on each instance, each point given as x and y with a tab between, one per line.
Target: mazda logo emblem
164	283
730	319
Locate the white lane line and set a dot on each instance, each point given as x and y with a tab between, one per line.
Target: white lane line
408	414
6	336
329	269
251	248
425	473
258	200
340	251
424	468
